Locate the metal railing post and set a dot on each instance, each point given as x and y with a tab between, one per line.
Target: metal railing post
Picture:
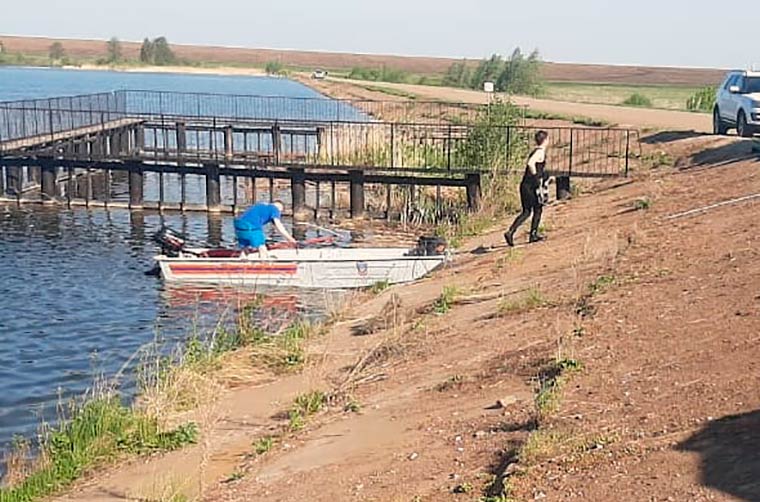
509	148
448	149
393	147
50	121
570	166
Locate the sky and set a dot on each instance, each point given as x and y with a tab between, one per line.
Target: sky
694	33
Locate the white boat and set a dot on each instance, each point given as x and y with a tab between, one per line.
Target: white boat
330	268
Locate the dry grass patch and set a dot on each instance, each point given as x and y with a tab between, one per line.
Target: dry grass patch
531	299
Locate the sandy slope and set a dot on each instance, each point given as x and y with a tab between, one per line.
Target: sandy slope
669	351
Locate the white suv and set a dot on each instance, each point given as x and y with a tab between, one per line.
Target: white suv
737	104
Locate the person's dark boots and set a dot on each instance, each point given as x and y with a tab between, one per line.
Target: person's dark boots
536	237
510	238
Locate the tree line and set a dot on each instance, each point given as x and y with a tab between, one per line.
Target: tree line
517	74
156	52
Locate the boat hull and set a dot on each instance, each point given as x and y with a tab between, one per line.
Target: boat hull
313	268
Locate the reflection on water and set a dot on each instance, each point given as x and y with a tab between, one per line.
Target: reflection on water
75	301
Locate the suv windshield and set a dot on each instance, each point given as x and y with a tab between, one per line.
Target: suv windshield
751	85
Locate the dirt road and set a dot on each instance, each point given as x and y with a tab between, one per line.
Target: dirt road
623	116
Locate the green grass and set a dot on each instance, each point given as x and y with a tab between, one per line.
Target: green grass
551	380
280	352
304	406
563	445
642	204
263	445
669	97
390	91
601	284
352	406
575	119
657	159
452	382
379	287
471	224
702	100
99	431
235	476
445	301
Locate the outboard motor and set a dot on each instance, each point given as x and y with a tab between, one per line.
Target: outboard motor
429	246
170	240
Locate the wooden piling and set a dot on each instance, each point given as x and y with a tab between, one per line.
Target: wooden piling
357	193
14	180
181	152
472	181
298	190
114	140
213	188
34	174
136	187
125	142
139	138
48	185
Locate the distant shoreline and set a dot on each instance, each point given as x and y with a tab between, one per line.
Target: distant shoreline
224	71
252	59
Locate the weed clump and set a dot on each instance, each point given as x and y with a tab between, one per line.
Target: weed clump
550	382
638	100
304	406
379	287
642	204
263	445
446	300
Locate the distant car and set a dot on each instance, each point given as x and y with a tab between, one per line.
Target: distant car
737	104
319	74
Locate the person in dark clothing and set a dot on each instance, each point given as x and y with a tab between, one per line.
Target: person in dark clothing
532	195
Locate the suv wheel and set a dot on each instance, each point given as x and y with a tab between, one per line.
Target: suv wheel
719	127
742	128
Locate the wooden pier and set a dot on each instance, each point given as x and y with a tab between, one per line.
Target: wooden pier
63	154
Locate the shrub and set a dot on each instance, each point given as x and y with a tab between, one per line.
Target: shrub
638	99
274	68
702	101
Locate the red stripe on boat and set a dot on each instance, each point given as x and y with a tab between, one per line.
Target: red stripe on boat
233	268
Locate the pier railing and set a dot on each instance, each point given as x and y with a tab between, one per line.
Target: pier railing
83	110
49	116
71	131
192	104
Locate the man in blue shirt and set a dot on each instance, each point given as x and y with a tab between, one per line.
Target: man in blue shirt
249	227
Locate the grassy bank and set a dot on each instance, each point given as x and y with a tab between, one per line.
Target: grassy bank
661	96
99	429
